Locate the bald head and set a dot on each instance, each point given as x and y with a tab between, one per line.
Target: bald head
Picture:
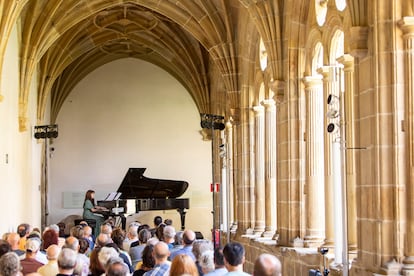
267	265
13	239
72	243
188	237
52	252
161	252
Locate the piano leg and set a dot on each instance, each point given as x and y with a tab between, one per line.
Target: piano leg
182	217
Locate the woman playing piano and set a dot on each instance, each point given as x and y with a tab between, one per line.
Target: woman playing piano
89	210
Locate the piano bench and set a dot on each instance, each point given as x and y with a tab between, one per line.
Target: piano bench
90	222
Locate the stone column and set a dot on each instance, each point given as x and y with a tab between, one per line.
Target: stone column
349	96
328	88
270	167
315	203
232	208
259	225
407	25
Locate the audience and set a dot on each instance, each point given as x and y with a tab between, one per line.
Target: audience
183	265
23	230
267	265
10	264
147	255
234	258
188	239
66	262
162	265
51	268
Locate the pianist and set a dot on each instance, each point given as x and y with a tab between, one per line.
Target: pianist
91	211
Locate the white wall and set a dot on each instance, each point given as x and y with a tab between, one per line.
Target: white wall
130	113
20	156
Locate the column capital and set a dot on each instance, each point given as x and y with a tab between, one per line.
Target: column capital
406	24
278	87
327	72
312	81
348	62
359	41
269	103
258	110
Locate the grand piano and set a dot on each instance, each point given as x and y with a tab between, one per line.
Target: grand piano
148	194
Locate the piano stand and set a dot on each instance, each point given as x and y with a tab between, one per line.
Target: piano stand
182	217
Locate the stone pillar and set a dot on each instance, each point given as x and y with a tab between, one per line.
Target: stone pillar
259	157
270	167
349	96
315	203
407	25
328	88
232	208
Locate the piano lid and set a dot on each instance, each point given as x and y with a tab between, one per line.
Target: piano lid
136	185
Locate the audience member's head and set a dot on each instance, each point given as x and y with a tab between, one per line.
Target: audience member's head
178	239
169	233
161	252
144	235
157	221
188	237
10	264
206	261
13	239
72	243
267	265
106	228
4	247
159	232
83	245
148	260
95	266
168	222
105	254
200	246
183	264
218	257
52	252
87	231
233	255
32	246
103	239
116	267
50	237
23	229
67	261
118	236
133	231
76	231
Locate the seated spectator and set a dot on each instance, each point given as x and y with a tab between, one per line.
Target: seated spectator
162	265
10	264
136	249
102	240
23	230
67	261
200	246
178	242
29	263
13	239
148	261
132	236
234	257
4	247
116	267
159	232
55	227
49	237
51	268
105	254
220	269
267	265
188	239
168	222
157	222
95	267
87	234
82	264
183	265
206	262
169	236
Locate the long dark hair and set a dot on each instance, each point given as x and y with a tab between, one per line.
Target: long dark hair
88	196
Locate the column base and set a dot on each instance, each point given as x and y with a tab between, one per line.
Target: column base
408	266
313	241
268	234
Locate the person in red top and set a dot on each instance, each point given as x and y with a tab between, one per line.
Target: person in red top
29	263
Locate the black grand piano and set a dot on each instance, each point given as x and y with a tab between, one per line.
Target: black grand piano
149	194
